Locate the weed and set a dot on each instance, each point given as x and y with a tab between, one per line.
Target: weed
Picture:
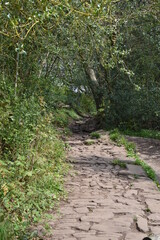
148	210
149	171
135	176
89	142
119	163
47	227
135	218
115	135
95	135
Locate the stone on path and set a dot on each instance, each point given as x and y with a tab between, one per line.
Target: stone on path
81	210
142	224
154	219
105	202
153	205
135	236
133	170
156	230
98	216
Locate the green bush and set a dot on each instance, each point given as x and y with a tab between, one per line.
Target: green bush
32	163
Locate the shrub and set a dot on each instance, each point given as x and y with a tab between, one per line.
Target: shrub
32	163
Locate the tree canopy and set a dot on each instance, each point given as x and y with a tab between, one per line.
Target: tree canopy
96	57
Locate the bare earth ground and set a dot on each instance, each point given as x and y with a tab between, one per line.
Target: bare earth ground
148	150
105	202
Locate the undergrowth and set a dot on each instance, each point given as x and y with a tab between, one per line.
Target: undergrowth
32	163
32	182
63	116
117	137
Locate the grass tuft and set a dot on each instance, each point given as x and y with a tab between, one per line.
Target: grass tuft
119	163
89	142
95	135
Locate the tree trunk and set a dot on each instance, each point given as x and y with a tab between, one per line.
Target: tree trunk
95	87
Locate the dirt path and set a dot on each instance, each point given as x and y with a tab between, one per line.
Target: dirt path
105	202
148	150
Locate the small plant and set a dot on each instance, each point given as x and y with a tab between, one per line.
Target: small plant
130	146
47	227
89	142
115	135
6	230
119	163
135	176
95	135
148	210
135	218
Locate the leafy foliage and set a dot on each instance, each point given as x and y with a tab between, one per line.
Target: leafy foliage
32	162
59	60
132	97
